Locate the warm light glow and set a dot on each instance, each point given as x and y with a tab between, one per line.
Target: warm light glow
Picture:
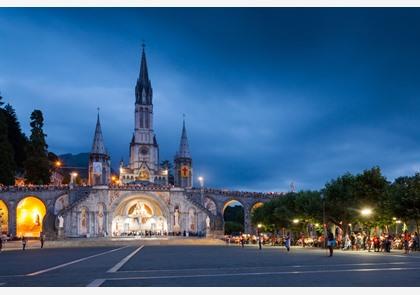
398	221
259	225
316	224
366	212
349	224
58	164
165	172
113	178
4	217
29	214
394	218
295	221
74	174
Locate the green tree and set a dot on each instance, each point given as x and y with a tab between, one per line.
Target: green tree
7	163
37	164
16	137
405	198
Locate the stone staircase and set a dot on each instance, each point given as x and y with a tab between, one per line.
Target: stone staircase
76	196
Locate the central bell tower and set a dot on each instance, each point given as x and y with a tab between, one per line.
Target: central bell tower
144	149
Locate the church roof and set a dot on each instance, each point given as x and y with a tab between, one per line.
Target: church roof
144	90
98	146
184	150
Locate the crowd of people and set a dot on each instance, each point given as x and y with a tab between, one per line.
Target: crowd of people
241	193
356	241
25	188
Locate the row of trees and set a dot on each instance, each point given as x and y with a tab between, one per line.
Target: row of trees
344	199
19	155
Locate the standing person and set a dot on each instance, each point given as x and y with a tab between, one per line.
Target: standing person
368	242
331	241
416	241
42	239
287	242
23	243
259	241
407	238
241	239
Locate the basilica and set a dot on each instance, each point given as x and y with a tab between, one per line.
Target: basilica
142	202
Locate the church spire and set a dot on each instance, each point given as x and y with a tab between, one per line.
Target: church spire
98	146
184	150
144	91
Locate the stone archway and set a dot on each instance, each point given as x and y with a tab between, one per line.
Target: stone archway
139	213
4	218
30	212
233	213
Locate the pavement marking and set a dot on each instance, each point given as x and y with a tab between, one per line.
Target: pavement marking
96	283
264	267
120	264
72	262
101	281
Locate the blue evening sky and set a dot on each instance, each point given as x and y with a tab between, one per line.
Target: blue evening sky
271	96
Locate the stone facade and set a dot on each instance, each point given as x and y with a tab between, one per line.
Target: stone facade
95	211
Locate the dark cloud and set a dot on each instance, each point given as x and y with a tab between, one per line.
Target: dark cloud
271	95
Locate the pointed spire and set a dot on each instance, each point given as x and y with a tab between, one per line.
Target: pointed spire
144	74
143	86
184	150
98	146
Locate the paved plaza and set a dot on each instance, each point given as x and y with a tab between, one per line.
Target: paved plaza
193	265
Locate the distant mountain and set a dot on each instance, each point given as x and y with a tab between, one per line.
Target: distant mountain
78	163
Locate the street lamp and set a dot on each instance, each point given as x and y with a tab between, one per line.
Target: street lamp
295	221
58	164
259	235
366	212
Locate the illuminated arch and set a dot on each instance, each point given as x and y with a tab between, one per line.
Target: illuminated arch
30	213
4	218
232	226
230	202
256	205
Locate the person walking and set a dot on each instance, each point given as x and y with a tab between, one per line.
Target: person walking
242	240
287	242
23	243
331	242
407	238
42	239
259	241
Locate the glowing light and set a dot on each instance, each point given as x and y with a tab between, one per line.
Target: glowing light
316	224
366	212
4	217
58	164
259	225
295	221
30	212
394	218
74	174
398	221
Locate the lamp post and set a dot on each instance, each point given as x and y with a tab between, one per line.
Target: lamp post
324	223
201	181
259	235
366	212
